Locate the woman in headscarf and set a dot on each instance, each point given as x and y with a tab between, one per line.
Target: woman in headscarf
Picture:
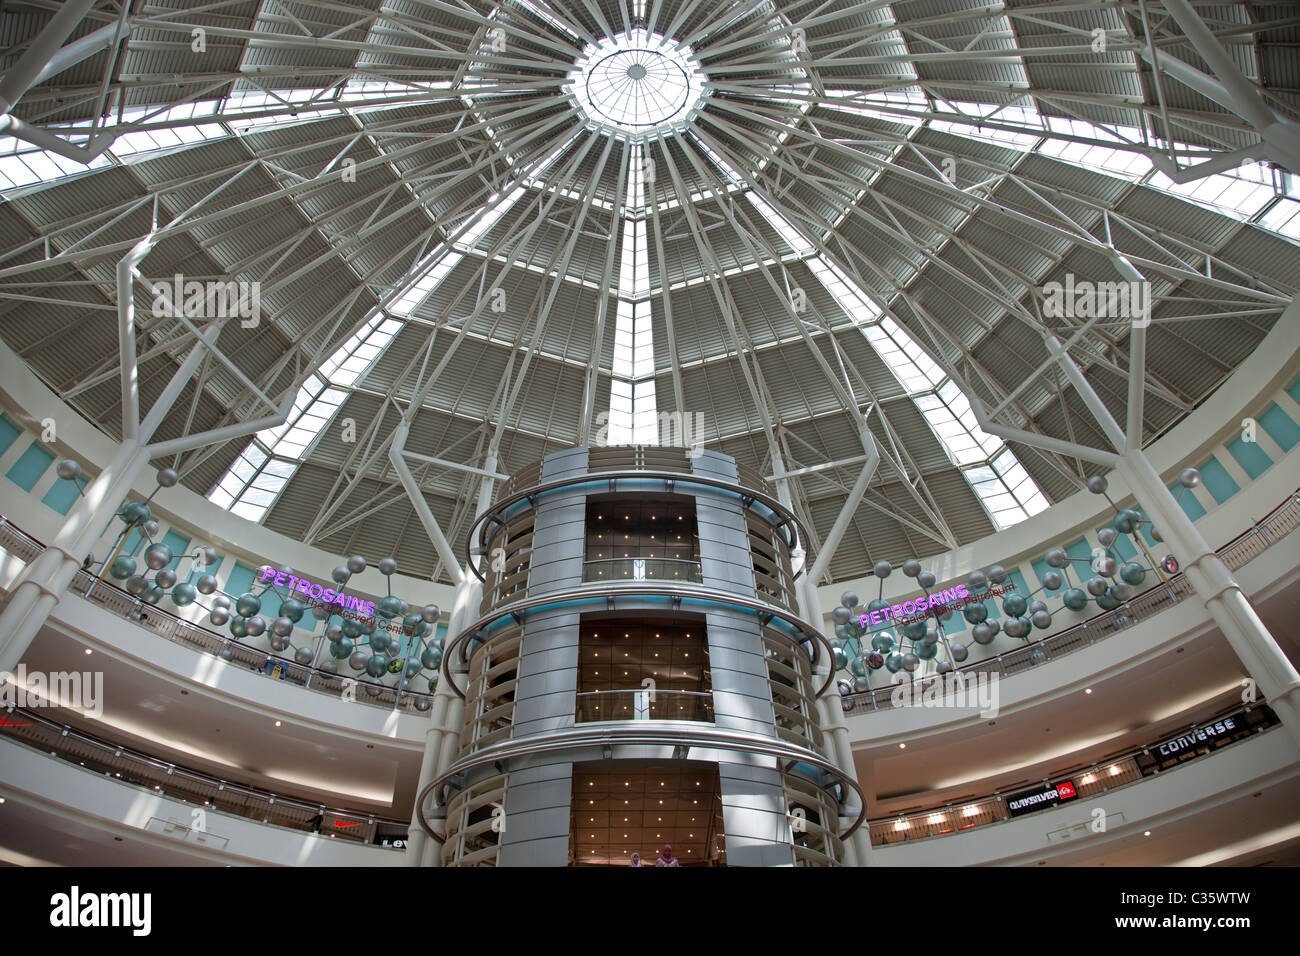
666	857
636	860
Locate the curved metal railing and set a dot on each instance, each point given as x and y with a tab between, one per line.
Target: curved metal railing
133	768
1129	767
1280	522
601	705
676	570
110	597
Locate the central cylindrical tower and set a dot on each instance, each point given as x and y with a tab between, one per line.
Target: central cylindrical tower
638	675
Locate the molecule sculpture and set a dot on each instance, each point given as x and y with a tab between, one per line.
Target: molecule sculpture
863	647
368	644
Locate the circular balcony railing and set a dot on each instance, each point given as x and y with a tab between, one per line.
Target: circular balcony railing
598	705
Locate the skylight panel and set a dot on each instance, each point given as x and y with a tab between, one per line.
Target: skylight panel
255	479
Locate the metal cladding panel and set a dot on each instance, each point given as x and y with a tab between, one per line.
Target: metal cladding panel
537	810
754	812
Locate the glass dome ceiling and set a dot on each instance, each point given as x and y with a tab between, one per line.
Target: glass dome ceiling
637	82
801	223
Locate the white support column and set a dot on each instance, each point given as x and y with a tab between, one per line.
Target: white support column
1214	584
1218	590
46	579
857	850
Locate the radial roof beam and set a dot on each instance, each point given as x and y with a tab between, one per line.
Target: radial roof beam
1229	87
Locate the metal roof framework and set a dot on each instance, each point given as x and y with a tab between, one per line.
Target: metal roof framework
335	153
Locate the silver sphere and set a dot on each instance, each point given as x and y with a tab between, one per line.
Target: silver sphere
68	469
977	580
994	627
430	613
333	632
206	583
1014	627
981	634
221	600
356	564
149	528
931	635
1121	591
1097	484
1096	586
840	616
340	574
319	613
882	569
1056	558
1041	619
944	667
227	653
303	655
1106	536
282	627
219	616
848	600
329	666
278	644
165	579
256	626
960	652
1035	606
910	661
157	556
911	567
422	704
997	574
387	566
358	660
167	477
1037	655
861	685
1108	567
1052	580
136	584
372	690
1189	477
208	555
926	579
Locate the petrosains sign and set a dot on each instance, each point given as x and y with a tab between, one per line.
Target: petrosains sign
1027	801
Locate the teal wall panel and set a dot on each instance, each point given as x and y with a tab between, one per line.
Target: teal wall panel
63	494
29	467
1191	506
1250	456
9	433
1217	480
1281	427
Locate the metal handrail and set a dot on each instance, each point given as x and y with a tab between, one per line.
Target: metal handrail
1246	546
1107	774
114	599
648	566
646	704
134	768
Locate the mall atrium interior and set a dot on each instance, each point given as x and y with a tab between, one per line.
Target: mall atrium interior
664	432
